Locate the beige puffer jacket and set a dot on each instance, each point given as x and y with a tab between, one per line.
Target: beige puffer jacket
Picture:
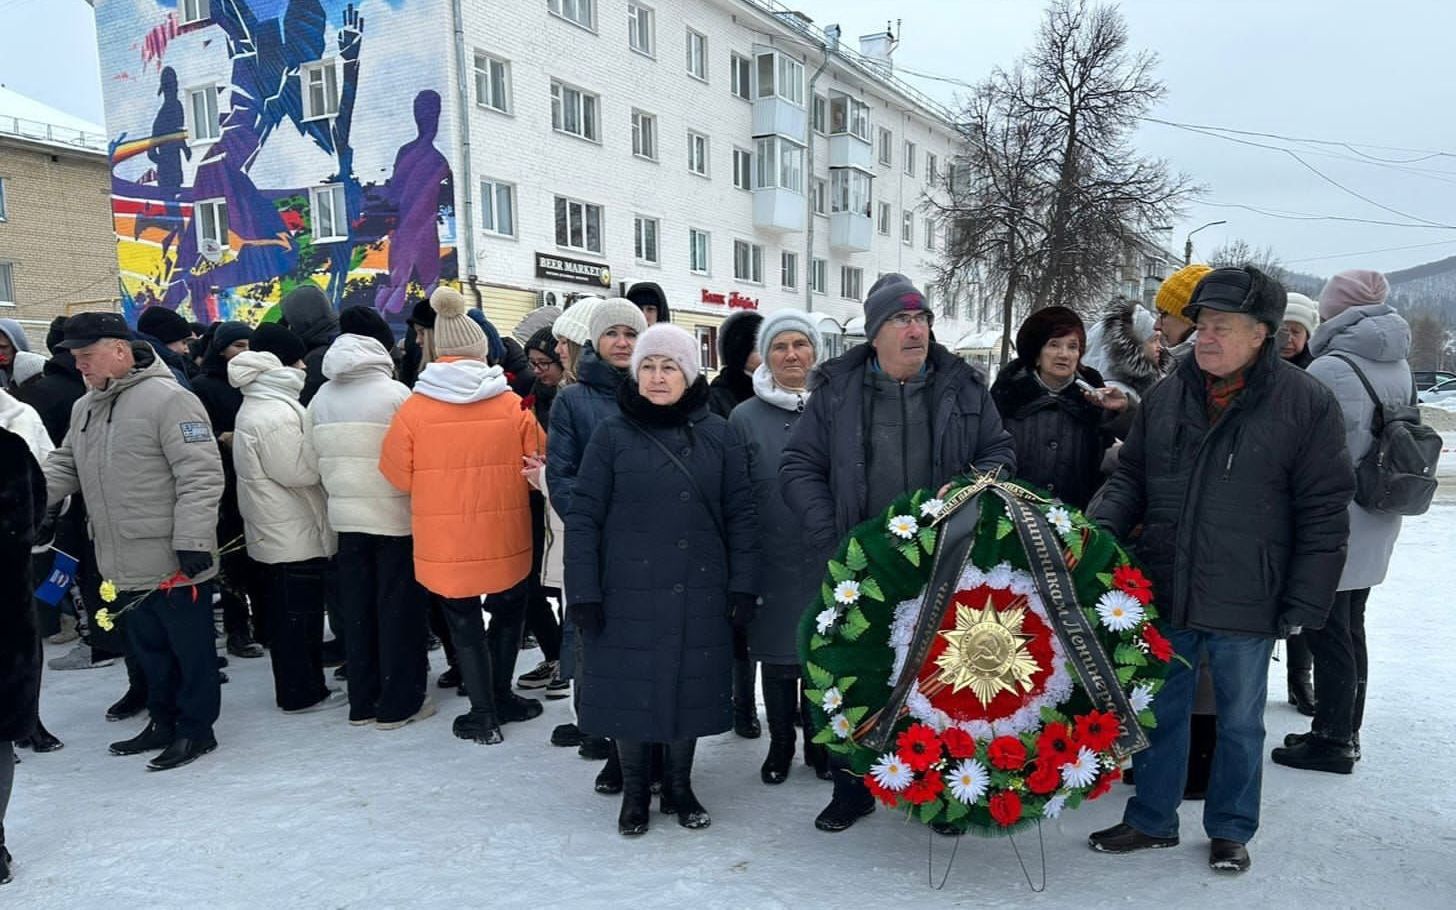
141	451
280	494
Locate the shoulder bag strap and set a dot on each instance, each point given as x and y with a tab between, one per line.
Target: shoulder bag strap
1377	420
692	481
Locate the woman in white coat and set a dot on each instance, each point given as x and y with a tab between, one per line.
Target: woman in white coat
285	523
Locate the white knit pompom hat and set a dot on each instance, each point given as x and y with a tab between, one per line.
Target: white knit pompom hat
574	325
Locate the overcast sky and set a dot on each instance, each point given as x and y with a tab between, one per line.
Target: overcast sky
1357	71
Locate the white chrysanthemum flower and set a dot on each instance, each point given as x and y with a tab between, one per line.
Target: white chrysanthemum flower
841	726
920	707
969	781
1054	806
1061	519
826	620
1000	576
892	773
1141	698
980	730
1081	771
846	592
932	507
1022	585
1119	611
972	578
904	526
833	699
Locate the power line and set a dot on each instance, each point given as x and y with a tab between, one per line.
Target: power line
1351	146
1388	249
1305	216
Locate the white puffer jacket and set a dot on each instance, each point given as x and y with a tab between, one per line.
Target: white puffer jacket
279	493
347	421
22	420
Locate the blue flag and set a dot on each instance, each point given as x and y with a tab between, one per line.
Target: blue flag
60	579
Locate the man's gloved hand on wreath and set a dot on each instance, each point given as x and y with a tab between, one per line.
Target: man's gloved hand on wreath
192	563
590	618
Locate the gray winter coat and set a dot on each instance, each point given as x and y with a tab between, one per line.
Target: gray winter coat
1379	340
789	576
823	470
141	451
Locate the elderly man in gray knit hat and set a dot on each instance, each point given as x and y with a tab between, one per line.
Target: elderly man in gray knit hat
897	414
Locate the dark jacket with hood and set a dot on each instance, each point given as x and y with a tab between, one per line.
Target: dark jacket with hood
308	313
53	393
734	383
649	293
824	470
1244	522
575	414
179	365
222	402
645	544
1060	436
22	508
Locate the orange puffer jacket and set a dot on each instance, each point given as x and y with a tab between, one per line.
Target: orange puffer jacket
455	446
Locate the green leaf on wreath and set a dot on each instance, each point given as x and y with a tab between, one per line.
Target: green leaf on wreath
1000	780
1003	527
871	589
839	572
814	696
1074	544
1147	719
856	714
826	593
855	557
817	641
1125	674
820	677
1074	800
845	682
1050	715
1130	656
930	810
912	553
826	737
927	540
855	625
839	747
1104	579
955	810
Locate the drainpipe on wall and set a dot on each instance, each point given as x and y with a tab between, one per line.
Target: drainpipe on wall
809	195
465	228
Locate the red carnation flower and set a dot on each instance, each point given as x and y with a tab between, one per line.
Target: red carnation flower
528	402
1006	808
958	743
919	747
1055	746
925	789
1132	581
1045	779
1105	782
888	797
1007	753
1097	730
1160	647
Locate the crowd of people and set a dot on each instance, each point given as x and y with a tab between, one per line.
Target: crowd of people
316	471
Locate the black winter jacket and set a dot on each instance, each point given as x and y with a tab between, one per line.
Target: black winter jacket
22	506
1244	523
823	469
575	413
53	393
643	542
1060	436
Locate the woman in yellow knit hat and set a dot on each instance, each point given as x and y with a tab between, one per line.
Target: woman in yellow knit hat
1173	295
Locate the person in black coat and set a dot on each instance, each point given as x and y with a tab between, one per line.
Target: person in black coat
308	313
661	563
546	371
22	509
1061	430
1235	470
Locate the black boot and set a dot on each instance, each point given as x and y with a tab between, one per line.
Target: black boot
745	699
780	699
815	755
183	751
851	802
154	737
5	862
42	740
450	679
594	748
636	811
129	705
1301	692
480	725
504	642
690	812
1202	739
1315	753
609	779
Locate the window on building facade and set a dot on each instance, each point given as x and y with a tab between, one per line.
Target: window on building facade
574	111
780	164
747	261
697	55
210	216
644	135
886	145
642	29
707	347
743	169
193	11
821	196
578	225
882	223
204	122
580	12
742	75
7	284
492	82
907	228
932	167
697	153
781	75
328	213
952	307
849	191
849	115
699	251
851	280
819	276
644	239
497	207
820	114
320	89
910	153
789	270
4	215
930	233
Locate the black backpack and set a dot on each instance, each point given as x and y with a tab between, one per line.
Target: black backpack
1398	475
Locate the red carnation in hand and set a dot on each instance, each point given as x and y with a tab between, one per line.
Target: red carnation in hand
1006	808
1097	730
919	747
528	402
888	797
958	743
1159	646
1045	779
1054	747
1133	582
1007	753
925	789
1105	782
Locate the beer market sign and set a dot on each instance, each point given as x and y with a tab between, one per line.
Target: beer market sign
577	271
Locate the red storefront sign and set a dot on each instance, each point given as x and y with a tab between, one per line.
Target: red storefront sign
733	300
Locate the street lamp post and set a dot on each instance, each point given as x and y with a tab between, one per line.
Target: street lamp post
1188	242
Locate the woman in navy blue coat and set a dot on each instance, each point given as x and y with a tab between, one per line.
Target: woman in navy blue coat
661	553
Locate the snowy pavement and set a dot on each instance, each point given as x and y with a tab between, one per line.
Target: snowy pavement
308	812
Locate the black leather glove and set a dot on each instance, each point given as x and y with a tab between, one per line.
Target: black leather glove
741	608
193	563
589	618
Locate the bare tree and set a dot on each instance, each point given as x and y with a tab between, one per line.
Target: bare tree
1239	253
1430	340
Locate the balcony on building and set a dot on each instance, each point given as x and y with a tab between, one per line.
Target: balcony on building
850	227
778	103
778	185
849	133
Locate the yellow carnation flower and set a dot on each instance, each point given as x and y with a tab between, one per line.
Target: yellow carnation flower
104	620
108	592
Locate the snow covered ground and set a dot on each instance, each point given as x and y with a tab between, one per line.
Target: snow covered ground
308	812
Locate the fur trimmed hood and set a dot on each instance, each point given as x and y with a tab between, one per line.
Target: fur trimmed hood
1115	351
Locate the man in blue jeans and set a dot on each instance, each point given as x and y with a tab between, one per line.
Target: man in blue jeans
1236	475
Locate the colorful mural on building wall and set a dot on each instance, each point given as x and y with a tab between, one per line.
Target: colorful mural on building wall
322	157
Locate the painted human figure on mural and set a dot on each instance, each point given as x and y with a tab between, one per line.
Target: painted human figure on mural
414	191
169	145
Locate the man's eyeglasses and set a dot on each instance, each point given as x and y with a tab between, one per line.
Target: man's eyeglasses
542	365
906	319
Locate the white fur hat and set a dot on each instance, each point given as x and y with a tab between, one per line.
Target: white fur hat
1299	308
666	340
